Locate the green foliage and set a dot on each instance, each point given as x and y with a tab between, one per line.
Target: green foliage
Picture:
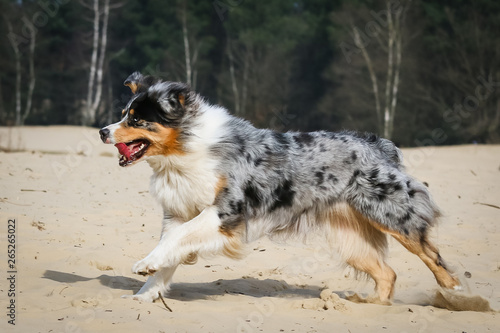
279	63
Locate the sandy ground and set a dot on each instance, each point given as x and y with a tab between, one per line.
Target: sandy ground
82	221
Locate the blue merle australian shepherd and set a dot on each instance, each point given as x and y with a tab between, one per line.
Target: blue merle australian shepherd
223	183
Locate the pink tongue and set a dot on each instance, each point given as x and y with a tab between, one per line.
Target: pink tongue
123	149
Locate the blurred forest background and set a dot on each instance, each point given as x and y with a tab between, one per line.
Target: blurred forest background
417	72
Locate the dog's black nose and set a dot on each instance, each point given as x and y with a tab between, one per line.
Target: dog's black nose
104	132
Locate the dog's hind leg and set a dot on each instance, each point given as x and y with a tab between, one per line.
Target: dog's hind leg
398	205
382	274
429	254
364	247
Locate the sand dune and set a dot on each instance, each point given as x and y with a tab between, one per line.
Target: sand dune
82	221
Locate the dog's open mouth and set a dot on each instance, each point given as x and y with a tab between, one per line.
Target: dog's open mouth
131	151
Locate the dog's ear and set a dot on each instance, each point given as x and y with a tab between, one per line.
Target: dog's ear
133	81
178	95
140	83
173	98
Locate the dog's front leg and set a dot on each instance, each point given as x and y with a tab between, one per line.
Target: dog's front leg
156	284
159	282
153	261
201	235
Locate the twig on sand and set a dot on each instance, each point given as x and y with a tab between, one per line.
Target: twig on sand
30	190
163	301
12	203
486	204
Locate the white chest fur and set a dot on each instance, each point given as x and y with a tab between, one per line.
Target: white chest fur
184	186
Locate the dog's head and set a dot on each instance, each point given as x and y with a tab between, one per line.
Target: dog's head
153	121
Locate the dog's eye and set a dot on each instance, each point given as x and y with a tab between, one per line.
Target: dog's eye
134	120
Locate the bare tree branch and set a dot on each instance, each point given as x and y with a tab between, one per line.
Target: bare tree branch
373	77
381	42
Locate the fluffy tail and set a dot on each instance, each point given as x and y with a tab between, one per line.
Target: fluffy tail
391	198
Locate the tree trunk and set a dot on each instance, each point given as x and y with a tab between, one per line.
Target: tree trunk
186	45
99	45
234	85
395	85
494	124
32	78
194	67
394	50
100	64
18	89
390	69
2	106
87	117
111	105
244	83
17	56
393	70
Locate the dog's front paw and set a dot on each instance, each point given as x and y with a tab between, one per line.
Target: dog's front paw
145	267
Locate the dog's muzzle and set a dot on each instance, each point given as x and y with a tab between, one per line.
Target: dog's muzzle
104	132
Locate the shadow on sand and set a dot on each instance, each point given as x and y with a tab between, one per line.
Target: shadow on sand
198	291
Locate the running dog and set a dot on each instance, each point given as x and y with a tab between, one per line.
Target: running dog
223	183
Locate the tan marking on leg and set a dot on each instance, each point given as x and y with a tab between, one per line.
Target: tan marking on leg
363	247
343	218
191	259
221	184
428	253
383	275
430	256
233	246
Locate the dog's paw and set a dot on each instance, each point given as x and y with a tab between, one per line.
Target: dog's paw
145	267
146	297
